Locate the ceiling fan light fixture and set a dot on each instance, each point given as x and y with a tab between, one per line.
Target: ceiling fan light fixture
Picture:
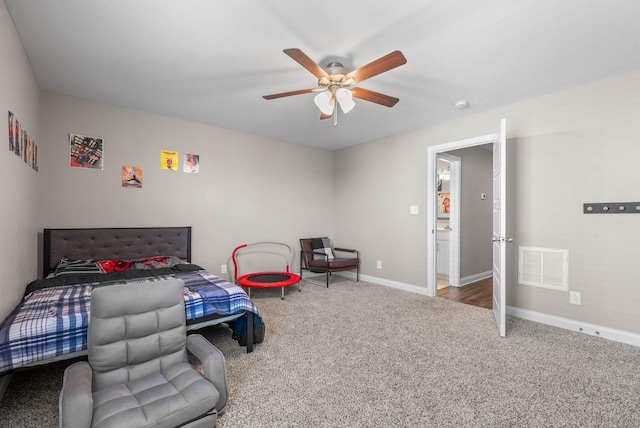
345	99
337	83
325	102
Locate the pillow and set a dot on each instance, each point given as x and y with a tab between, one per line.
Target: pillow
77	267
157	262
322	245
144	263
115	265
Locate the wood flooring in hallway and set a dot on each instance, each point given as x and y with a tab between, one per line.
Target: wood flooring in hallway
479	293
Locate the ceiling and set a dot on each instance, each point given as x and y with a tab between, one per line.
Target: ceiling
212	61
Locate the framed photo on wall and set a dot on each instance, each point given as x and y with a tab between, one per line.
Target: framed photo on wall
444	204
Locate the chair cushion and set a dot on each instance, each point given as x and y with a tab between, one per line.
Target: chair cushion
336	263
322	245
165	399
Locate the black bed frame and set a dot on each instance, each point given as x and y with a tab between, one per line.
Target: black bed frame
125	243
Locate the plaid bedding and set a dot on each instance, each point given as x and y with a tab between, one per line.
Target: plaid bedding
52	322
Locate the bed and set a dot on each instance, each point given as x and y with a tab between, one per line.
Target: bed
50	324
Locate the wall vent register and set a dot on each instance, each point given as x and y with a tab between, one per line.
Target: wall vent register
543	267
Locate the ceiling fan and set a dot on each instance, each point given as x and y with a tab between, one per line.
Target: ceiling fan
336	85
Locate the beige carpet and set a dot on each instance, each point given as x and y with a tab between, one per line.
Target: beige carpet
363	355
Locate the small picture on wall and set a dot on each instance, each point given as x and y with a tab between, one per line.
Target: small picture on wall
132	177
16	138
28	151
169	160
191	163
11	138
35	156
444	203
86	152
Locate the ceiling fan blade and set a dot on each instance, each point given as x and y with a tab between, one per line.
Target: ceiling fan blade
288	94
302	59
386	63
374	97
325	116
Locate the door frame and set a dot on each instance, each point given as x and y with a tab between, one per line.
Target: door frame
433	152
454	217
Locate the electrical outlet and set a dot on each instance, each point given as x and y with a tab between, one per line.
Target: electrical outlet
223	269
574	297
379	264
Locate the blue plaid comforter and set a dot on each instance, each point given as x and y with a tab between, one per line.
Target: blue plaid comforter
53	321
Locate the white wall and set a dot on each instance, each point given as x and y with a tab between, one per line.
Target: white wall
564	149
18	182
249	188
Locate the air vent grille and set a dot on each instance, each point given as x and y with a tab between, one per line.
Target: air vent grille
543	267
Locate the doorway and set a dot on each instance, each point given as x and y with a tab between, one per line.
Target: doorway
498	237
463	234
448	219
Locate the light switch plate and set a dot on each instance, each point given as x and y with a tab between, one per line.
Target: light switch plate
414	209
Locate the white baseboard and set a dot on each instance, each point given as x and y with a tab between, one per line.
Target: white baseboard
621	336
474	278
393	284
375	280
613	334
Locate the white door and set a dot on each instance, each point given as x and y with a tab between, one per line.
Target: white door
499	228
499	217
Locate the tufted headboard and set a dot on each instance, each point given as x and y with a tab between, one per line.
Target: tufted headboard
114	243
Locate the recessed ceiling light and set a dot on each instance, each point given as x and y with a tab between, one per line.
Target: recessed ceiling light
460	104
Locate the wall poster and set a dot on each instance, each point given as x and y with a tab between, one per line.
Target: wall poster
21	143
169	160
191	163
86	152
444	203
132	177
12	146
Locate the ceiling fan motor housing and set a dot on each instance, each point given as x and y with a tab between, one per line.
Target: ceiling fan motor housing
336	78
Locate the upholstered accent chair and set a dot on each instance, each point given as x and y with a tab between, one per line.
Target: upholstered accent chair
138	372
318	255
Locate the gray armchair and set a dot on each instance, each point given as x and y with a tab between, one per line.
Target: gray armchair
137	373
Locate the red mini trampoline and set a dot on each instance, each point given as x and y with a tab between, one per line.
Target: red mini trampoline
266	279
